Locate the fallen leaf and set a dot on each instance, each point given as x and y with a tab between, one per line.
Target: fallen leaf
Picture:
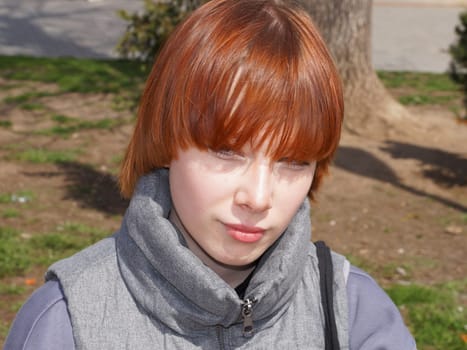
30	281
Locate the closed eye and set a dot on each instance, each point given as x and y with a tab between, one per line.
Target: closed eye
226	153
294	164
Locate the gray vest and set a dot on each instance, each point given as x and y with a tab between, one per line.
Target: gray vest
144	289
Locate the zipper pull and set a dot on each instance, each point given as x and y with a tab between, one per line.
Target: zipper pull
247	315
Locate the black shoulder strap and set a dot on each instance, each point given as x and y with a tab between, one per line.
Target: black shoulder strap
326	281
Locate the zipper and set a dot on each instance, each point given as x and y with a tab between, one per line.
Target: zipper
220	337
247	315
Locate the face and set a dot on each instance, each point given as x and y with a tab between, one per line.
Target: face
233	206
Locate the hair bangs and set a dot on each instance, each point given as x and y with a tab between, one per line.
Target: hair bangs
264	99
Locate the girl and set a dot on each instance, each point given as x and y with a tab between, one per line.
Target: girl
238	123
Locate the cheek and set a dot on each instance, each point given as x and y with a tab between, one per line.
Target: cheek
291	194
193	190
295	186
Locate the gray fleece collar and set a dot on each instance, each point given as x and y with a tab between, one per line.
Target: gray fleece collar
172	285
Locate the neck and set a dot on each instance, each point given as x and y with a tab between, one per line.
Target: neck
232	275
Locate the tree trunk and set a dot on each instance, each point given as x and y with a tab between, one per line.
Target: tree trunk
346	28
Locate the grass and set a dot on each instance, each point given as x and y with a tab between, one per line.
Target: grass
5	198
20	197
9	86
10	213
4	326
32	106
123	78
423	88
435	314
15	306
75	75
11	289
66	240
39	155
115	162
391	271
27	97
55	246
422	82
418	99
62	119
29	101
68	125
18	254
5	124
77	228
13	292
15	256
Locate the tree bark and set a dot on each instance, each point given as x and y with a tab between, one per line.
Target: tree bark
346	28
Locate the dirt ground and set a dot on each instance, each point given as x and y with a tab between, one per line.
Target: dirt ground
396	206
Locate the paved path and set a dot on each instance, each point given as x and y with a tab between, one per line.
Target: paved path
79	28
414	35
407	34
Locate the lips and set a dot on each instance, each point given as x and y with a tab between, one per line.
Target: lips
245	234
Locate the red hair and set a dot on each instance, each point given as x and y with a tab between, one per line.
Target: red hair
239	71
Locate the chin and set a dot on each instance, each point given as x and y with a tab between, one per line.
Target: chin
237	263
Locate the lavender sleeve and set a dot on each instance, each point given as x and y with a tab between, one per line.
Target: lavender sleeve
43	323
374	321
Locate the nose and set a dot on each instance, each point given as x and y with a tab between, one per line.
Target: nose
256	188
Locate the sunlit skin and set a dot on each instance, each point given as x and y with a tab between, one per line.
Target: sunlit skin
231	207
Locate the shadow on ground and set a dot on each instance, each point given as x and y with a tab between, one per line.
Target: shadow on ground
93	189
445	168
